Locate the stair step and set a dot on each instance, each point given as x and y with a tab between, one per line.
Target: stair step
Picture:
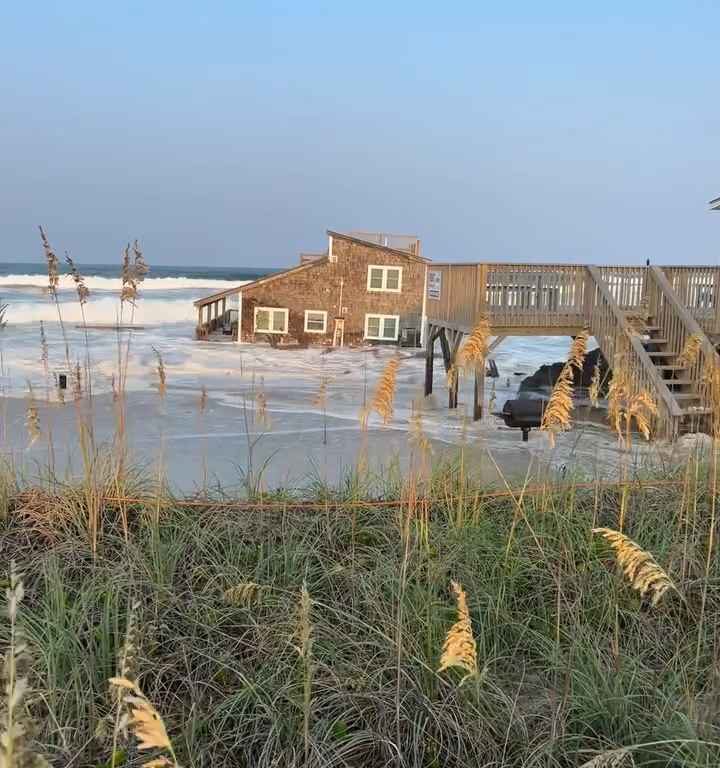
685	396
654	341
670	367
678	382
696	411
662	354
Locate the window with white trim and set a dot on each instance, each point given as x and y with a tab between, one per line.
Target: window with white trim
385	279
315	321
382	327
271	320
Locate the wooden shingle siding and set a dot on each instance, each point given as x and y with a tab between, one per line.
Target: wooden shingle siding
329	287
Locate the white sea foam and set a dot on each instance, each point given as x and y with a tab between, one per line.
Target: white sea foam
97	283
148	311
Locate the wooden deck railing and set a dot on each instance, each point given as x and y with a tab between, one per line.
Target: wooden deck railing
510	295
698	289
621	345
677	323
626	285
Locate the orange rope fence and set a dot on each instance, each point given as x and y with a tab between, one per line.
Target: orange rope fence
314	505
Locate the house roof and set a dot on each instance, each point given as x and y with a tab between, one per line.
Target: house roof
307	265
715	204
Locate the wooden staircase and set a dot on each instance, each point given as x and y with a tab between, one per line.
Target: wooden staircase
650	327
683	384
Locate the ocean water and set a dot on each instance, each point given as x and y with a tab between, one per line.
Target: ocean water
302	438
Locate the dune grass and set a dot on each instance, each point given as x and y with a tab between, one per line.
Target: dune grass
304	669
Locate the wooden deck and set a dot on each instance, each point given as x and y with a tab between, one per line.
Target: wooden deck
643	314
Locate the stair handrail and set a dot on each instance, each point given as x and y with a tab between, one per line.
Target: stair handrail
668	402
689	326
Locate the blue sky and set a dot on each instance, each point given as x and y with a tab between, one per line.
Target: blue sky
236	133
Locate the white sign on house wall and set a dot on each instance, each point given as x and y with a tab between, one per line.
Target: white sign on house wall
434	284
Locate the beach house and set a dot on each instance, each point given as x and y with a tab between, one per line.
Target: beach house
715	204
365	287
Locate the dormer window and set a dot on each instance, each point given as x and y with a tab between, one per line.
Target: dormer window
384	279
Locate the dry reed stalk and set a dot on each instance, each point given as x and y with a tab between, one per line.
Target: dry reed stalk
459	649
127	670
133	273
305	650
320	399
691	350
77	382
493	399
202	404
83	292
114	389
44	350
475	349
613	758
146	723
52	263
15	726
638	566
384	395
417	437
245	594
594	390
32	418
261	406
710	391
161	373
557	416
578	350
627	405
642	408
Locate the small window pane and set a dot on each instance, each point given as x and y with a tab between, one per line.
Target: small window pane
373	327
389	328
376	278
279	321
315	321
262	320
393	279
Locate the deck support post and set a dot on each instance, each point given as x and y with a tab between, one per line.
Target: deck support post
479	392
429	355
450	349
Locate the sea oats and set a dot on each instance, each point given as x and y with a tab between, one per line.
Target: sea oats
83	292
44	350
245	593
384	395
161	373
15	725
613	758
475	349
638	566
691	350
52	263
594	390
459	649
558	411
145	721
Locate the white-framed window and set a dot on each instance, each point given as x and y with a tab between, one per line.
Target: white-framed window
271	320
315	321
385	279
382	327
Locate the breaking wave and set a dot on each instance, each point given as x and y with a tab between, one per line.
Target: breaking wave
109	284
